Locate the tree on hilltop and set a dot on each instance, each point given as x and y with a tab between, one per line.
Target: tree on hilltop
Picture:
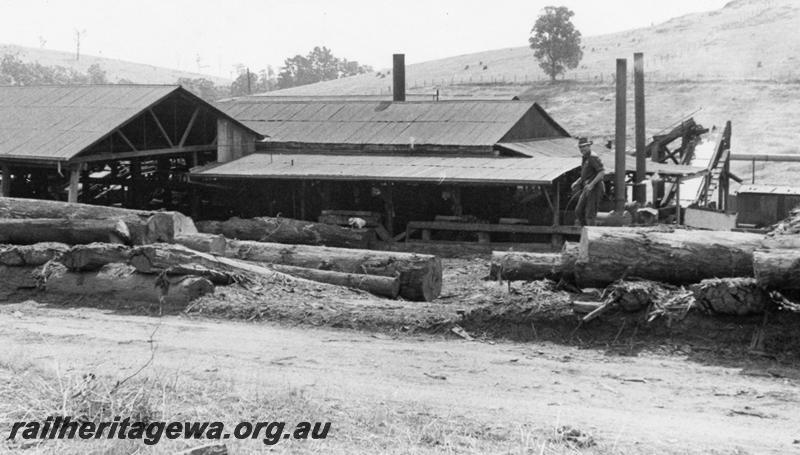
319	65
555	41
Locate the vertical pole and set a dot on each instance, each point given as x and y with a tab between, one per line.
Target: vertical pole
753	170
619	142
136	176
639	188
458	209
74	177
303	200
388	205
84	179
557	205
5	185
678	200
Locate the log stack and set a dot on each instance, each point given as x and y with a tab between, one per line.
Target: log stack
676	256
420	275
83	223
121	283
523	266
288	231
731	296
778	269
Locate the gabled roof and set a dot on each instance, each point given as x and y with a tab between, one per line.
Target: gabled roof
56	123
453	123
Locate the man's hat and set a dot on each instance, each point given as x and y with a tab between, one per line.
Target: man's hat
584	141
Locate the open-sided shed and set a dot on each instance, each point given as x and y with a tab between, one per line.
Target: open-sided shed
63	142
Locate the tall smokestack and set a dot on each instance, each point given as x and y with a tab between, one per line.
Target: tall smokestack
399	77
639	189
619	142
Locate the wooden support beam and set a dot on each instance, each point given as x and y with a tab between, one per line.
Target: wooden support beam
458	209
161	127
303	200
387	191
134	197
189	127
557	211
74	178
5	185
127	141
142	154
678	201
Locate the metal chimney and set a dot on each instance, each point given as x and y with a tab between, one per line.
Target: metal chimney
399	77
639	189
619	142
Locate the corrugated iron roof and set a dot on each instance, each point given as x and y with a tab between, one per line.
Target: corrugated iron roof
568	148
769	189
430	169
58	122
466	123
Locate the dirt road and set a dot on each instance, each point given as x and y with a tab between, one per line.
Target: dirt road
649	403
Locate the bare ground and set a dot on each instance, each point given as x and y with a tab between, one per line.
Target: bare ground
405	384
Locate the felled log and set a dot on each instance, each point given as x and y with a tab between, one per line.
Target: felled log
420	274
14	278
734	296
518	265
121	283
633	295
781	242
289	231
383	286
788	226
144	226
778	269
94	255
207	243
669	255
69	231
31	255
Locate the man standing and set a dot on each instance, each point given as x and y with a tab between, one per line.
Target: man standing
590	184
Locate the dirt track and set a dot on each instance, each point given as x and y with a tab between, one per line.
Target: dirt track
639	404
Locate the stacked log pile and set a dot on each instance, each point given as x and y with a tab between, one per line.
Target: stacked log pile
727	272
53	221
288	231
419	275
79	249
734	296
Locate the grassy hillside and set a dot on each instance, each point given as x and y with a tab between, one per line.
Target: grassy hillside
739	63
115	69
747	39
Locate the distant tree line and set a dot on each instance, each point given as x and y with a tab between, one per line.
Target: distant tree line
319	65
13	71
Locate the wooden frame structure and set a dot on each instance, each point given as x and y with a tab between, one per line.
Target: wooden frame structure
154	136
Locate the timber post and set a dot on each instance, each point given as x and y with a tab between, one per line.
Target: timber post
74	180
5	185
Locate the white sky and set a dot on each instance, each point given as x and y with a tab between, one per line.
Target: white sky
257	33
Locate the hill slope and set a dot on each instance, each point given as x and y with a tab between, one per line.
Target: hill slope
747	39
115	69
705	61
